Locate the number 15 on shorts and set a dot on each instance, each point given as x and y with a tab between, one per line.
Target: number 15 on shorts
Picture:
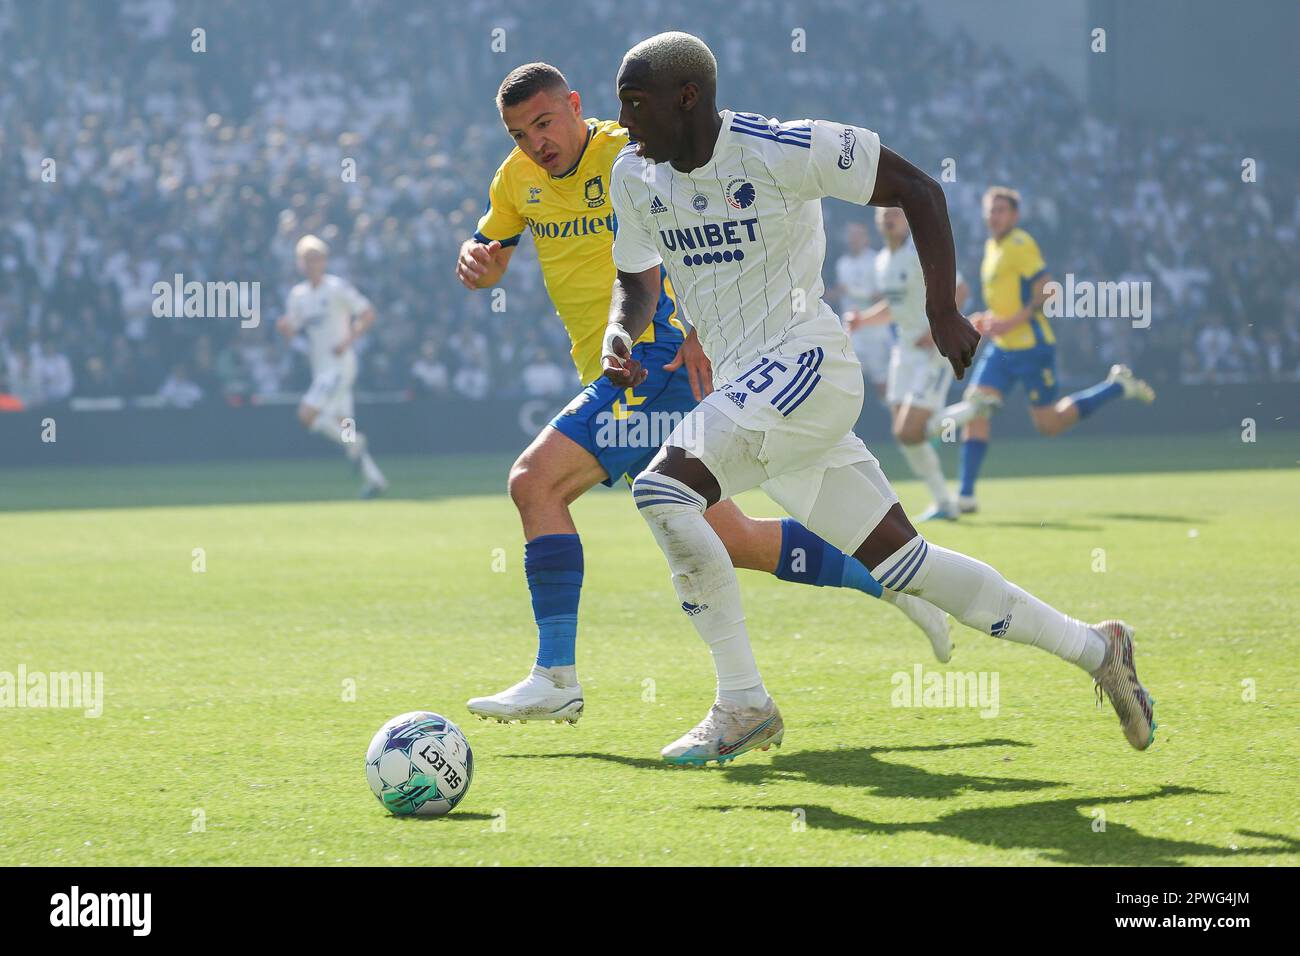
796	382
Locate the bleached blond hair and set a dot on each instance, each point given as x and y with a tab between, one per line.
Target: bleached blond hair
311	244
680	56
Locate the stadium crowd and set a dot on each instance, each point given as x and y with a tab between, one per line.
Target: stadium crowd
210	164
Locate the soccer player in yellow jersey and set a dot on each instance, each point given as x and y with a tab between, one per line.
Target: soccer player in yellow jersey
1023	350
555	184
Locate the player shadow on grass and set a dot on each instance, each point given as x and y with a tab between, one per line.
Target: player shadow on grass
1060	830
861	767
1043	525
852	767
1163	519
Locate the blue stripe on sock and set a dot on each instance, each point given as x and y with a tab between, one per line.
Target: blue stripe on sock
647	502
898	570
643	491
648	485
925	548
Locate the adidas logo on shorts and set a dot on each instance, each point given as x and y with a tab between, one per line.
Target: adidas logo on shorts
737	397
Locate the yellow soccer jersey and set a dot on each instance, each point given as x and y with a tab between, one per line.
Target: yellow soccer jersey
572	222
1010	268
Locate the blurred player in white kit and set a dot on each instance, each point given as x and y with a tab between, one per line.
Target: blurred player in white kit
855	284
333	315
919	377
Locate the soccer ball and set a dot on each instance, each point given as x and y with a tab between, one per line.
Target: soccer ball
419	763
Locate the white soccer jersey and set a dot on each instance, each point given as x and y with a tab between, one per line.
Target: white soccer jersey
857	274
899	277
741	237
325	314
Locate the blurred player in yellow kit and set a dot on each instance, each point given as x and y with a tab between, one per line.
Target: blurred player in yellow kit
555	184
1023	350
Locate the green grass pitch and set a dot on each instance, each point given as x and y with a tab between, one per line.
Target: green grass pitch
228	736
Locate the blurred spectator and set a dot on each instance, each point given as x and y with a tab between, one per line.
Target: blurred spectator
543	377
53	372
9	402
210	167
429	373
179	390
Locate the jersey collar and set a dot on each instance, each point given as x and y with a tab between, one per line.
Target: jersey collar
577	162
724	135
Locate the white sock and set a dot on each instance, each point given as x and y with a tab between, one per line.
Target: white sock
924	462
958	414
370	470
980	598
564	675
705	582
913	607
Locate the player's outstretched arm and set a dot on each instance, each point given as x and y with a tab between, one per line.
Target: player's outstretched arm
631	309
480	265
899	183
359	326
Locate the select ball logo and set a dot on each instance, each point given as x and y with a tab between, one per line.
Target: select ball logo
438	765
740	194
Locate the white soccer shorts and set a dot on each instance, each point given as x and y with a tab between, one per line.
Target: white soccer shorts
331	393
918	377
873	343
786	425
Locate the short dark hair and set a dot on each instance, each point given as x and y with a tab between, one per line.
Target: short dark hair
528	80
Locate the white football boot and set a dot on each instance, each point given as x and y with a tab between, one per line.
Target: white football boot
933	621
1118	678
948	511
967	504
536	697
728	731
1134	388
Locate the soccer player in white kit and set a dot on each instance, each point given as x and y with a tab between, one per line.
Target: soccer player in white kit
729	204
919	377
333	315
855	283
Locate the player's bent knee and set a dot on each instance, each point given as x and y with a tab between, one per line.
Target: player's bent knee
1048	424
892	533
524	484
910	434
308	415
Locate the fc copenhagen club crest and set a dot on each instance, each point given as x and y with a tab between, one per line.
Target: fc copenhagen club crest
740	194
595	191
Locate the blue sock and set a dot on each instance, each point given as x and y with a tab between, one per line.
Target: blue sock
973	451
807	559
553	566
1091	399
